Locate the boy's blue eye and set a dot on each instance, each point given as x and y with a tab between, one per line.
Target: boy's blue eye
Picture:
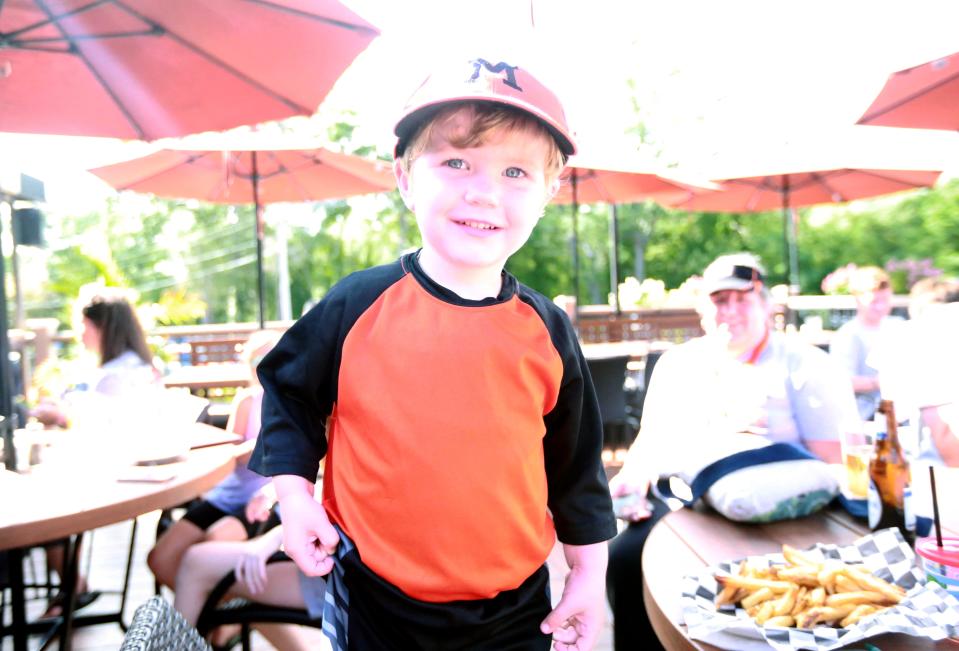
514	172
456	163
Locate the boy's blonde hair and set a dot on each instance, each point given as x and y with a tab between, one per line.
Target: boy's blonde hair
487	118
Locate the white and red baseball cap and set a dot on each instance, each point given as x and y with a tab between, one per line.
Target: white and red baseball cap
483	81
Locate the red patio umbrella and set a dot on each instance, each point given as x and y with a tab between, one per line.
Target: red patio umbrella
142	69
923	97
591	182
793	188
249	168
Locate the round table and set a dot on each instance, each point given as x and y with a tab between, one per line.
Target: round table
686	541
53	503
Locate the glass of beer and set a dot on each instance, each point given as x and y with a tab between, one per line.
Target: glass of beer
856	451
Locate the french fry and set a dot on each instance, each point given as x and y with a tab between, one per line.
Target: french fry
845	584
819	614
859	598
868	581
827	574
752	583
766	611
862	610
802	601
801	574
817	597
796	557
761	595
781	620
727	595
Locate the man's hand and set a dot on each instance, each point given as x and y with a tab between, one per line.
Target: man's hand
629	496
576	621
308	537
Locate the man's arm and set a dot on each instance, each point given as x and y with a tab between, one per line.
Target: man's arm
823	404
943	423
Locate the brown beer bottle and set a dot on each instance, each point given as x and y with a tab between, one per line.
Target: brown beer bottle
890	494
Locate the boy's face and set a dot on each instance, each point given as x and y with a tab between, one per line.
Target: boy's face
476	206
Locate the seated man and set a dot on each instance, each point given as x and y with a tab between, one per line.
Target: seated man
740	377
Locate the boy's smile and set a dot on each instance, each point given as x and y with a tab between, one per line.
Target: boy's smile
476	205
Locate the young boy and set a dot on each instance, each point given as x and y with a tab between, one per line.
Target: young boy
462	432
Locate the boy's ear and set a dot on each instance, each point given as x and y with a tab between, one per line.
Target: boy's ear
402	183
551	191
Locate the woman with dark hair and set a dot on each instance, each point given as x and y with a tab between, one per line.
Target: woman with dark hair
111	331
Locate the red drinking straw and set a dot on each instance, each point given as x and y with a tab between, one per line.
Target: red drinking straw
935	505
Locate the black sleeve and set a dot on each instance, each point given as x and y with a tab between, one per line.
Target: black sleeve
579	498
299	377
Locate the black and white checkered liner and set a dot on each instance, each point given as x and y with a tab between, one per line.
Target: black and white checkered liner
927	611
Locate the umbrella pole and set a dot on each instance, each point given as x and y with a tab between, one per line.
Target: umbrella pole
8	421
614	256
792	252
259	240
575	250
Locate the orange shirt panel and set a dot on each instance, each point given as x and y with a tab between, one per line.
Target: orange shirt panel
436	443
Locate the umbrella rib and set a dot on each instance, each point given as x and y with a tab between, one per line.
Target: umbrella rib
189	161
329	21
908	98
51	19
821	179
892	179
106	87
216	60
87	37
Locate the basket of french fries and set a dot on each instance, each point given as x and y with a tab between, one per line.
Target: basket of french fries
823	598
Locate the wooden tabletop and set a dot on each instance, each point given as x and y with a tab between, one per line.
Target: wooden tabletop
67	499
686	541
209	376
636	349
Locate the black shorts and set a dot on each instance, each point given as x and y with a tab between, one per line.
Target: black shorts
384	618
203	514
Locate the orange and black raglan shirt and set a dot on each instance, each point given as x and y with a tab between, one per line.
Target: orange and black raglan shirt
458	433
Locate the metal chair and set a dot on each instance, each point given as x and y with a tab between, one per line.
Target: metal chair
157	626
609	379
245	612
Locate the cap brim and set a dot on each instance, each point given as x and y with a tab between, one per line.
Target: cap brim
408	124
723	284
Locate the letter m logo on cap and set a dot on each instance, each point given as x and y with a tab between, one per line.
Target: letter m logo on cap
491	73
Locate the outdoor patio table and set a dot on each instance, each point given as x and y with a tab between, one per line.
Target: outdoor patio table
203	377
688	540
48	505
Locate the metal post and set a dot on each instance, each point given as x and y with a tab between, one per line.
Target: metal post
255	178
614	256
573	182
790	235
8	420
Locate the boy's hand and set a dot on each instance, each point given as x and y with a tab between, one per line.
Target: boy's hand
308	537
259	506
576	621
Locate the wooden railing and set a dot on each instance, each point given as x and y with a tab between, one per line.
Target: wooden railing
598	324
